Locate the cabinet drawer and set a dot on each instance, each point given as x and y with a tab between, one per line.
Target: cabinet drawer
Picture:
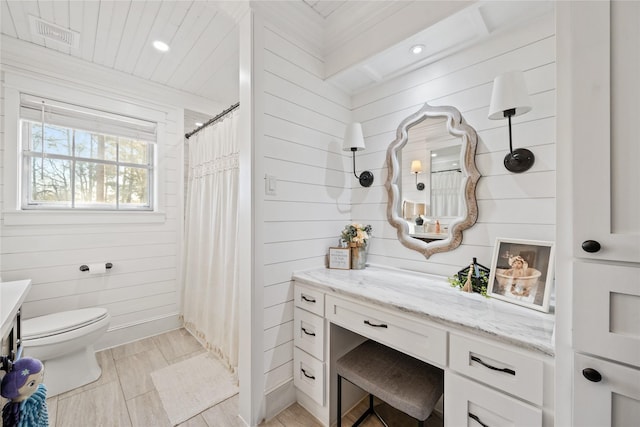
506	370
472	404
419	340
309	333
309	375
309	299
612	401
611	326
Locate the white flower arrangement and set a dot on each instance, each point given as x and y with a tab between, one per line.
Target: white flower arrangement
356	234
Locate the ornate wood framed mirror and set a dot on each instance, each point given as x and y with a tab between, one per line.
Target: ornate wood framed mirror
431	210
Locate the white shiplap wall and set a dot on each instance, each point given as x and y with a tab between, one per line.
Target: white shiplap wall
510	205
141	291
304	120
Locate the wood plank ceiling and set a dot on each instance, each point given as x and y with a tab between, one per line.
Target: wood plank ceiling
203	38
325	8
203	55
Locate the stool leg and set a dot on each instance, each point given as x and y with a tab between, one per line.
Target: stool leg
368	412
339	424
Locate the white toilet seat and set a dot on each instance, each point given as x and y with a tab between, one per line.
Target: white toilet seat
60	323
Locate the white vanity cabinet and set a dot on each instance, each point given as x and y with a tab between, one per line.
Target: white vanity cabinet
497	358
605	40
309	368
12	295
612	400
504	386
469	403
417	339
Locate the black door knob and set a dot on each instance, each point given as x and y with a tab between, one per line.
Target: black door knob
591	246
592	375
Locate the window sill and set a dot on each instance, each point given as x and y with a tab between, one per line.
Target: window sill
43	217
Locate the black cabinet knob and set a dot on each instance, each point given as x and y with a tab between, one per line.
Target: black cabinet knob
592	375
591	246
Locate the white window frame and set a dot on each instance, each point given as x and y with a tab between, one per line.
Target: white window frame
13	214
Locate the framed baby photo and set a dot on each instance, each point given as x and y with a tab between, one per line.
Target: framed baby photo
522	272
340	258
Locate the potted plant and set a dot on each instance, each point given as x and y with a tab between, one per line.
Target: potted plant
357	237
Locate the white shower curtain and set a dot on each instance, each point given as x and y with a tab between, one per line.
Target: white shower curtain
446	193
210	264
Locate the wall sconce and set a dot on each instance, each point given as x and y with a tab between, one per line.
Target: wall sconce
509	99
354	141
416	167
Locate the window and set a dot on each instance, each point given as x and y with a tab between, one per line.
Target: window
79	158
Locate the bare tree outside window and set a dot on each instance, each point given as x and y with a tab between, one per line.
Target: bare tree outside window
82	169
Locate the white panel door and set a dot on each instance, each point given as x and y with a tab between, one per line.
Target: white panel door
605	93
615	388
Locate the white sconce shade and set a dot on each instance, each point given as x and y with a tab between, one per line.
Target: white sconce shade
509	93
354	141
416	166
353	138
510	98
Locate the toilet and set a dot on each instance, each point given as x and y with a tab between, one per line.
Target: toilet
64	343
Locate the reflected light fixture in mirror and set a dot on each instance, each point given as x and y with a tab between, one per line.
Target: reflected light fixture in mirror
510	99
416	168
354	141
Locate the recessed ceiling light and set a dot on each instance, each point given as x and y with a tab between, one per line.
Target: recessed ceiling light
161	46
434	154
198	124
417	49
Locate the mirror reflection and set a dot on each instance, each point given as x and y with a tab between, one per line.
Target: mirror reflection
432	180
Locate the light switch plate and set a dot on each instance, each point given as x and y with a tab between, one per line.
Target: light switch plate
270	185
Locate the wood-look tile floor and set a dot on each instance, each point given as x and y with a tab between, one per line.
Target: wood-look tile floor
124	396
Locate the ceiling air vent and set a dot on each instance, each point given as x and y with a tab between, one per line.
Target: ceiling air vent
54	32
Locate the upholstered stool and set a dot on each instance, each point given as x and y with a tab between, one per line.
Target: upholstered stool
403	382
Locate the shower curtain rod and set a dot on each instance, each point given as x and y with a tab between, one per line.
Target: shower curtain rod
212	121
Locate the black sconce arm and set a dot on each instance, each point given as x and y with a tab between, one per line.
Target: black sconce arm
520	159
366	177
419	185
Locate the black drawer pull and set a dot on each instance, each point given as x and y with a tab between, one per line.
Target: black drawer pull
380	325
312	334
307	375
307	299
477	419
486	365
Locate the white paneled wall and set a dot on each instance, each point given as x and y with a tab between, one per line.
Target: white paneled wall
510	205
141	291
304	121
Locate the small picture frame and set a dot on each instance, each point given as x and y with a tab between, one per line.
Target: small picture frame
522	272
340	258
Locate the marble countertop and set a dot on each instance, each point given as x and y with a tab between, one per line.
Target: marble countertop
434	299
12	295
